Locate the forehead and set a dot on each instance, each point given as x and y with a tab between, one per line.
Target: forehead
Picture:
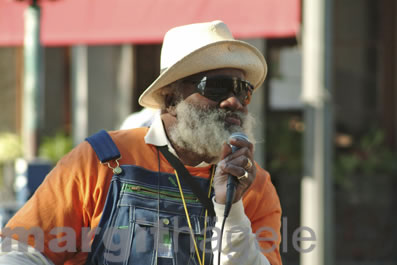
224	71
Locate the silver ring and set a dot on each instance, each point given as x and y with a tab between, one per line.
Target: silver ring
245	176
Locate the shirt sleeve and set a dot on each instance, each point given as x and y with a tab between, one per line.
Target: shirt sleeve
70	199
239	244
252	230
19	253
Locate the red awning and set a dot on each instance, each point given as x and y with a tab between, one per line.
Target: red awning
70	22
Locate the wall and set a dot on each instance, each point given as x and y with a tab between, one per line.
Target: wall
57	94
355	64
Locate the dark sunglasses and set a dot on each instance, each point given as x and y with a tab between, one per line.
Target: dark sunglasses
219	88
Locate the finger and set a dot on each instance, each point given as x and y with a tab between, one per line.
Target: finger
241	143
240	152
235	170
240	161
226	151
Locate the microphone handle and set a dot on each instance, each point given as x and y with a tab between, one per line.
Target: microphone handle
230	191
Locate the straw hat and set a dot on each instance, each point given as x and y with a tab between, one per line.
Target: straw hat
200	47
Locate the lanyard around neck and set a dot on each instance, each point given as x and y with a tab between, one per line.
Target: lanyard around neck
201	261
184	173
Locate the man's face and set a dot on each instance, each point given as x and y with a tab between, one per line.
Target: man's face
203	125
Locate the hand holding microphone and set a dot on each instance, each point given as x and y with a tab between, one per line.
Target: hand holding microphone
235	172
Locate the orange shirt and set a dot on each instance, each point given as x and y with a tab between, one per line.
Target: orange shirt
73	195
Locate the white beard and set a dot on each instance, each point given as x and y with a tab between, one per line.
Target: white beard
203	130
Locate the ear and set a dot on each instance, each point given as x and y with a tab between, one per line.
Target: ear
170	102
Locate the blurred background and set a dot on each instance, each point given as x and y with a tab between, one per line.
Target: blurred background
326	115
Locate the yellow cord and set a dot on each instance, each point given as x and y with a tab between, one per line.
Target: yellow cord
206	212
188	217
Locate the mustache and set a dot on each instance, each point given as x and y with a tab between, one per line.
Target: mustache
221	114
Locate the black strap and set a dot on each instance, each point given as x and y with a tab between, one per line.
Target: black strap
182	171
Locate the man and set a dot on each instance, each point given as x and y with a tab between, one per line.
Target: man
130	186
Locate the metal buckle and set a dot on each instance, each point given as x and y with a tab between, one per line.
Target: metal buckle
117	169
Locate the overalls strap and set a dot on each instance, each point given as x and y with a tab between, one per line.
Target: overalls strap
104	147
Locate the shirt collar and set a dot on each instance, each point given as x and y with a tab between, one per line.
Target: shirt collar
157	137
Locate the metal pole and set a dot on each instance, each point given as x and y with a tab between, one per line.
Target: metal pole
33	82
257	108
80	93
317	206
125	79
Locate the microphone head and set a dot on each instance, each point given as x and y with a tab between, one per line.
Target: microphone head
239	136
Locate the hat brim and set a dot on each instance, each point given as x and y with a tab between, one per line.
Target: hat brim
222	54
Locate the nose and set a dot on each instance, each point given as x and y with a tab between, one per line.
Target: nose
232	103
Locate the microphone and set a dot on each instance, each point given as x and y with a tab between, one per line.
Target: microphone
232	180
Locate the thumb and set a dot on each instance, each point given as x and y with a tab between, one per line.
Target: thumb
226	150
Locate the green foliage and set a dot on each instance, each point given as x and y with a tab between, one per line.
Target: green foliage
368	156
53	148
10	147
284	145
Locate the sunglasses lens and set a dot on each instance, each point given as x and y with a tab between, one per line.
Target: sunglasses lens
220	88
217	89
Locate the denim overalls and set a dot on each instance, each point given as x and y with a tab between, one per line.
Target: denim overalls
143	221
